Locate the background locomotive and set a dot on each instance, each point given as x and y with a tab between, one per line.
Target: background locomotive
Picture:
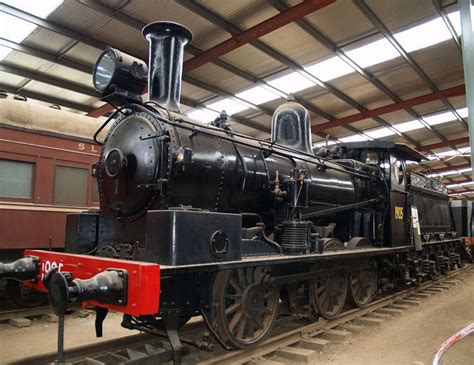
242	229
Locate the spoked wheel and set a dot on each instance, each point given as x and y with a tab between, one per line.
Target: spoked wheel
328	290
362	284
245	305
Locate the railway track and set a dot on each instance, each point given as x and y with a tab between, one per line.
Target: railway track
8	314
290	342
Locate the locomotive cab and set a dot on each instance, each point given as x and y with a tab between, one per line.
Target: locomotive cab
418	206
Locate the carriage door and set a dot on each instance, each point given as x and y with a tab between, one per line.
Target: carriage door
399	214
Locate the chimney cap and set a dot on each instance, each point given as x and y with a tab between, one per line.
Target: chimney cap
167	28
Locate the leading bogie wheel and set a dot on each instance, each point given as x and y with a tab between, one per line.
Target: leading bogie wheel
244	305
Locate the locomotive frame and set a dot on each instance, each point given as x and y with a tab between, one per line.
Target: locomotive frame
200	220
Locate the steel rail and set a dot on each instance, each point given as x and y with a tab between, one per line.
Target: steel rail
113	348
295	335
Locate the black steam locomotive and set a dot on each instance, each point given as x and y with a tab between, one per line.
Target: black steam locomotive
238	229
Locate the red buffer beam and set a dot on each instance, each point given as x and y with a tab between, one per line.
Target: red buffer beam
452	91
278	21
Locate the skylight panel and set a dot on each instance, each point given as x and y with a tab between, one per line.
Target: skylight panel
229	105
455	19
463	112
373	53
354	138
15	29
4	51
439	118
292	83
448	153
448	173
330	69
408	126
464	150
321	144
257	95
379	133
452	186
41	8
203	115
423	35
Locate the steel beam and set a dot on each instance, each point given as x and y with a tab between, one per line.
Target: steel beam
45	98
233	29
134	23
442	12
467	21
47	79
449	168
49	25
451	143
271	52
460	182
243	121
369	13
426	98
46	55
328	43
138	25
256	32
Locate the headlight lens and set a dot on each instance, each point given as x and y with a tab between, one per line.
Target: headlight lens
105	70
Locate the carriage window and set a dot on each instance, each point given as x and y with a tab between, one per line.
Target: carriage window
70	185
16	179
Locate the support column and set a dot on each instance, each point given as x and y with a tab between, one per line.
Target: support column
466	10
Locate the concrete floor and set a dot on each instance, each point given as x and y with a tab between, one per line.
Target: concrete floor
18	343
414	337
409	339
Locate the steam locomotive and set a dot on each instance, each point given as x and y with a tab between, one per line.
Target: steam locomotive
197	219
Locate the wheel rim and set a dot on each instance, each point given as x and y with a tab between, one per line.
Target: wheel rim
245	305
329	291
362	285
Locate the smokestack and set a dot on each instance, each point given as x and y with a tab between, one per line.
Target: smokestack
165	66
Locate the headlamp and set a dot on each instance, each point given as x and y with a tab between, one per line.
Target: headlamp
118	75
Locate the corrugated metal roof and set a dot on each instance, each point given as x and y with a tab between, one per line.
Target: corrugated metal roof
342	23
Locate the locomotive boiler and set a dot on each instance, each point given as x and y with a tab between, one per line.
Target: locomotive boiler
197	219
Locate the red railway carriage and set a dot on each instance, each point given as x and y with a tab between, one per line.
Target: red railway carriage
46	156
